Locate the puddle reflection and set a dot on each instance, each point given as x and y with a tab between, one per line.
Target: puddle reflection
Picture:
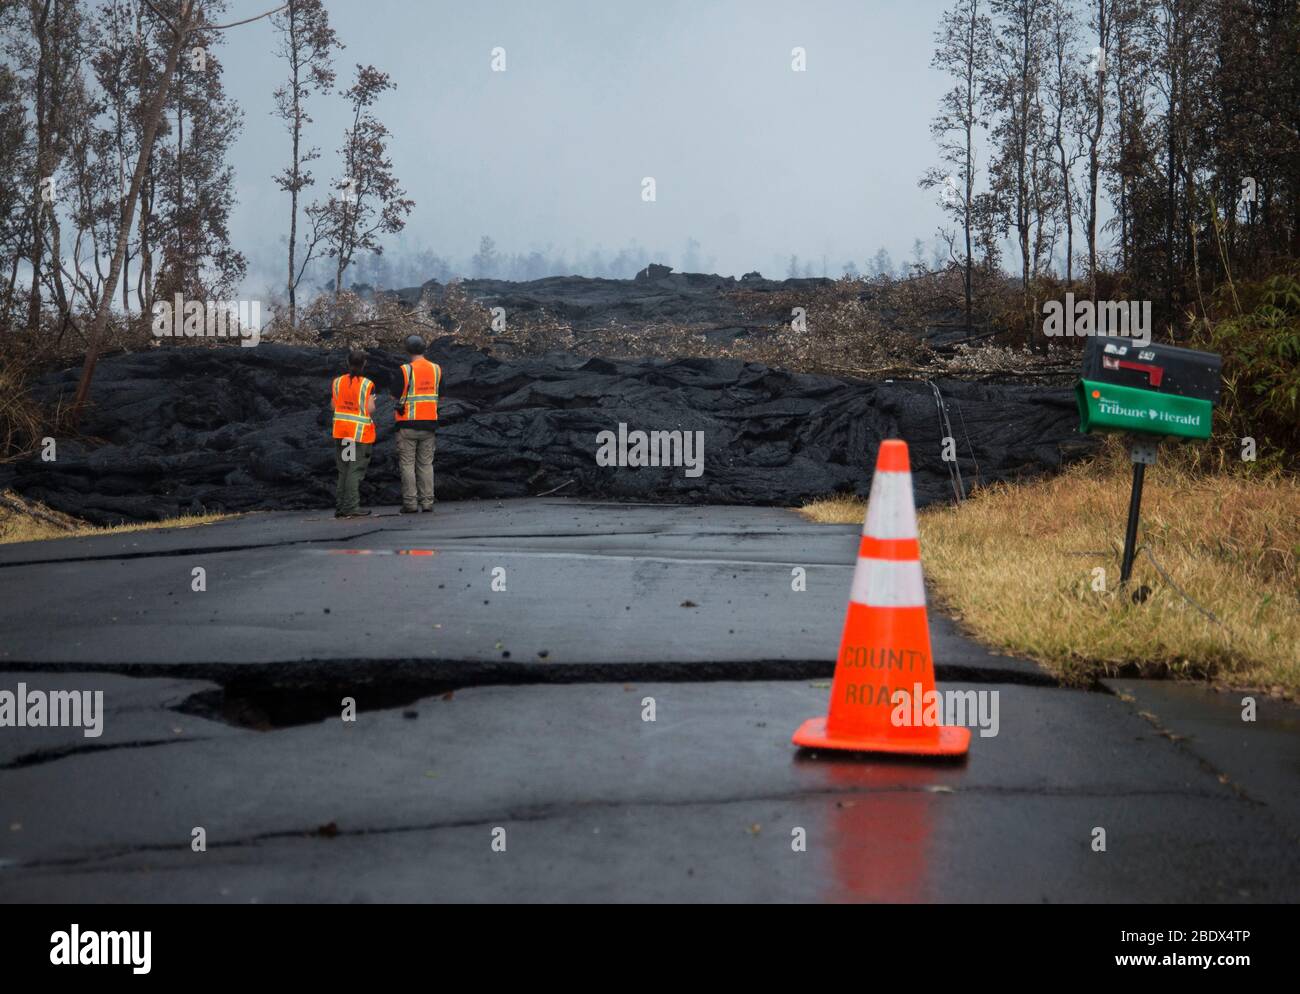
879	825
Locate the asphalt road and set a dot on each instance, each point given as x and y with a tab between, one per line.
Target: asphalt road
501	749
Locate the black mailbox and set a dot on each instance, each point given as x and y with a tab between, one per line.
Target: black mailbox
1150	389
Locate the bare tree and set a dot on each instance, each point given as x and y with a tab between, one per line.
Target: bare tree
306	43
1177	37
182	21
1015	75
14	193
1064	85
56	88
1094	102
115	64
196	188
963	43
485	261
1129	158
84	198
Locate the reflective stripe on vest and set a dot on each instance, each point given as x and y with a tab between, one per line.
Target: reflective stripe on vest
351	396
420	382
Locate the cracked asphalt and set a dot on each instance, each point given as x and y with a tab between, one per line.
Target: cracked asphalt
502	656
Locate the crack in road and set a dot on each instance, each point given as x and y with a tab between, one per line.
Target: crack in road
189	551
265	696
542	813
40	756
440	674
383	529
1183	744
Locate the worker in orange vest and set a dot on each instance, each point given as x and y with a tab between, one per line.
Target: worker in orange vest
353	400
417	417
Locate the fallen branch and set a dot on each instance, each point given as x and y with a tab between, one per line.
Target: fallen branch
560	487
892	370
17	504
988	373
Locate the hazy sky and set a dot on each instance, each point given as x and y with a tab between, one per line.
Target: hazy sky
752	159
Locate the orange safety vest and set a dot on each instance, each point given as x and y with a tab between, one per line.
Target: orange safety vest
419	401
351	401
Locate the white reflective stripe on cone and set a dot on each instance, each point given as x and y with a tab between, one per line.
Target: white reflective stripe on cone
888	583
891	512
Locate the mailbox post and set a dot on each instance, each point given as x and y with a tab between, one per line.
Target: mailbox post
1148	392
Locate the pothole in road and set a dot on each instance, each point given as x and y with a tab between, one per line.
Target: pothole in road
266	707
265	697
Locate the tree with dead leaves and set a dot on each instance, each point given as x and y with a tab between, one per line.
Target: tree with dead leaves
367	202
195	190
182	18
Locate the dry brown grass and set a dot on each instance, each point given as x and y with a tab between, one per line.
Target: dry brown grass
22	420
22	520
849	328
866	328
840	509
858	327
1016	565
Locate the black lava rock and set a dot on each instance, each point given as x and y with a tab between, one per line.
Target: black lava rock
178	429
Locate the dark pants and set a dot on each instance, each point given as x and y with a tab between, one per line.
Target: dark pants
347	496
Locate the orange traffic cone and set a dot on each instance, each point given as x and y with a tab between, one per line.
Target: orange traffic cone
885	648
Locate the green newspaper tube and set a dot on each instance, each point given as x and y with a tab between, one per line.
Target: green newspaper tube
1108	407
